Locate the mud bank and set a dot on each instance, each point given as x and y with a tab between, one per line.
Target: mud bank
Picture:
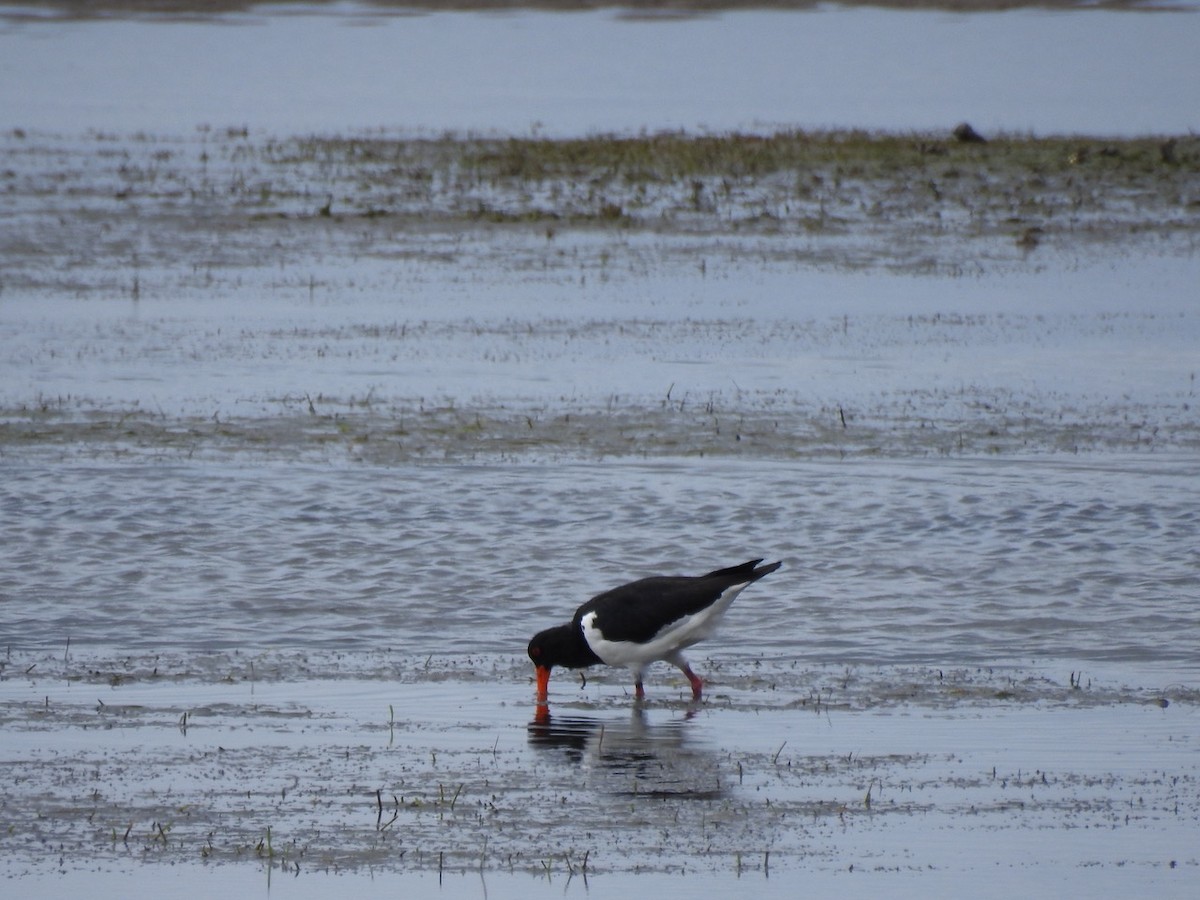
395	300
443	766
111	215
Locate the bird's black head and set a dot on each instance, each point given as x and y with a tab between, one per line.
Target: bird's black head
548	648
562	645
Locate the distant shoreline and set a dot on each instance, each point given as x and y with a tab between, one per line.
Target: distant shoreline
73	9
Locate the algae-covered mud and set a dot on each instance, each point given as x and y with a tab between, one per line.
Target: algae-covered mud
925	203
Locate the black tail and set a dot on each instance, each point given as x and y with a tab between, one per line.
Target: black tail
747	569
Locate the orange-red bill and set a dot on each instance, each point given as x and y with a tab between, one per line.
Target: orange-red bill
543	683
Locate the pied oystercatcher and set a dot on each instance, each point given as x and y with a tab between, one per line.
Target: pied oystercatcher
644	621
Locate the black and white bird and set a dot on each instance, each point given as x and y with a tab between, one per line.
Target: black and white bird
642	622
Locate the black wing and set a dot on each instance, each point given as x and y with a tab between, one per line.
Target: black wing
638	611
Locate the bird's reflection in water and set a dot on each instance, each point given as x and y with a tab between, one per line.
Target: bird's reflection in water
630	755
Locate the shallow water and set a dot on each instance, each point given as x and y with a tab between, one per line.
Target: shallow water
349	67
1087	562
313	672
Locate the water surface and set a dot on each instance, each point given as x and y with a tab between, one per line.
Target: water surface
349	67
1085	562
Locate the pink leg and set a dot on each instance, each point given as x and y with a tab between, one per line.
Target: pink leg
697	684
638	691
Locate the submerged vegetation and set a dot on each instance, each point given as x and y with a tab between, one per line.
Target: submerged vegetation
810	180
793	181
844	199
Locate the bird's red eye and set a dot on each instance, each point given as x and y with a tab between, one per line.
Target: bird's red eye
535	651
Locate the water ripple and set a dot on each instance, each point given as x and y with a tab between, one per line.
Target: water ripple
971	562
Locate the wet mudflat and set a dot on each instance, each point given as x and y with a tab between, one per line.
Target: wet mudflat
305	430
305	671
785	296
853	776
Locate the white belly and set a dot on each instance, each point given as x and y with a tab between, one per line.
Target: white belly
670	640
